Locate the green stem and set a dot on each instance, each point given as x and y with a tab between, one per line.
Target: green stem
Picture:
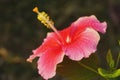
91	69
87	67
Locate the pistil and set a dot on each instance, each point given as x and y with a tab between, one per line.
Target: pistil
45	19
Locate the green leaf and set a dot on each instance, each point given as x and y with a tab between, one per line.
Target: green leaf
110	60
72	70
109	74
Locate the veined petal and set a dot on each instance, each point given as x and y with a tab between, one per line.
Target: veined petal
47	62
83	44
49	42
90	21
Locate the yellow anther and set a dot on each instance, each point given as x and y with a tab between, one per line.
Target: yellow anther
44	18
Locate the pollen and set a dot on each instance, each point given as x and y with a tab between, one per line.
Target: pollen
44	18
68	40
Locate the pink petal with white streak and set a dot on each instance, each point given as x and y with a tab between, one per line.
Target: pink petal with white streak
82	45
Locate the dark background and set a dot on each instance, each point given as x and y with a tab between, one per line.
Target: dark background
21	32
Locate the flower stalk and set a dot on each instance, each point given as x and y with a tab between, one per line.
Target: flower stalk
87	67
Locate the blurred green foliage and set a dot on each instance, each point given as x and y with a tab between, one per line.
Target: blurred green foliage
21	32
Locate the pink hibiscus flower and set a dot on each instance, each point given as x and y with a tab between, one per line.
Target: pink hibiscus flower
77	41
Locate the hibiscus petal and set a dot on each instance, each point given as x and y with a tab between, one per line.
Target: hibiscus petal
90	21
47	62
82	45
49	42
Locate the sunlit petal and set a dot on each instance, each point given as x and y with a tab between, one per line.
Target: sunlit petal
83	44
